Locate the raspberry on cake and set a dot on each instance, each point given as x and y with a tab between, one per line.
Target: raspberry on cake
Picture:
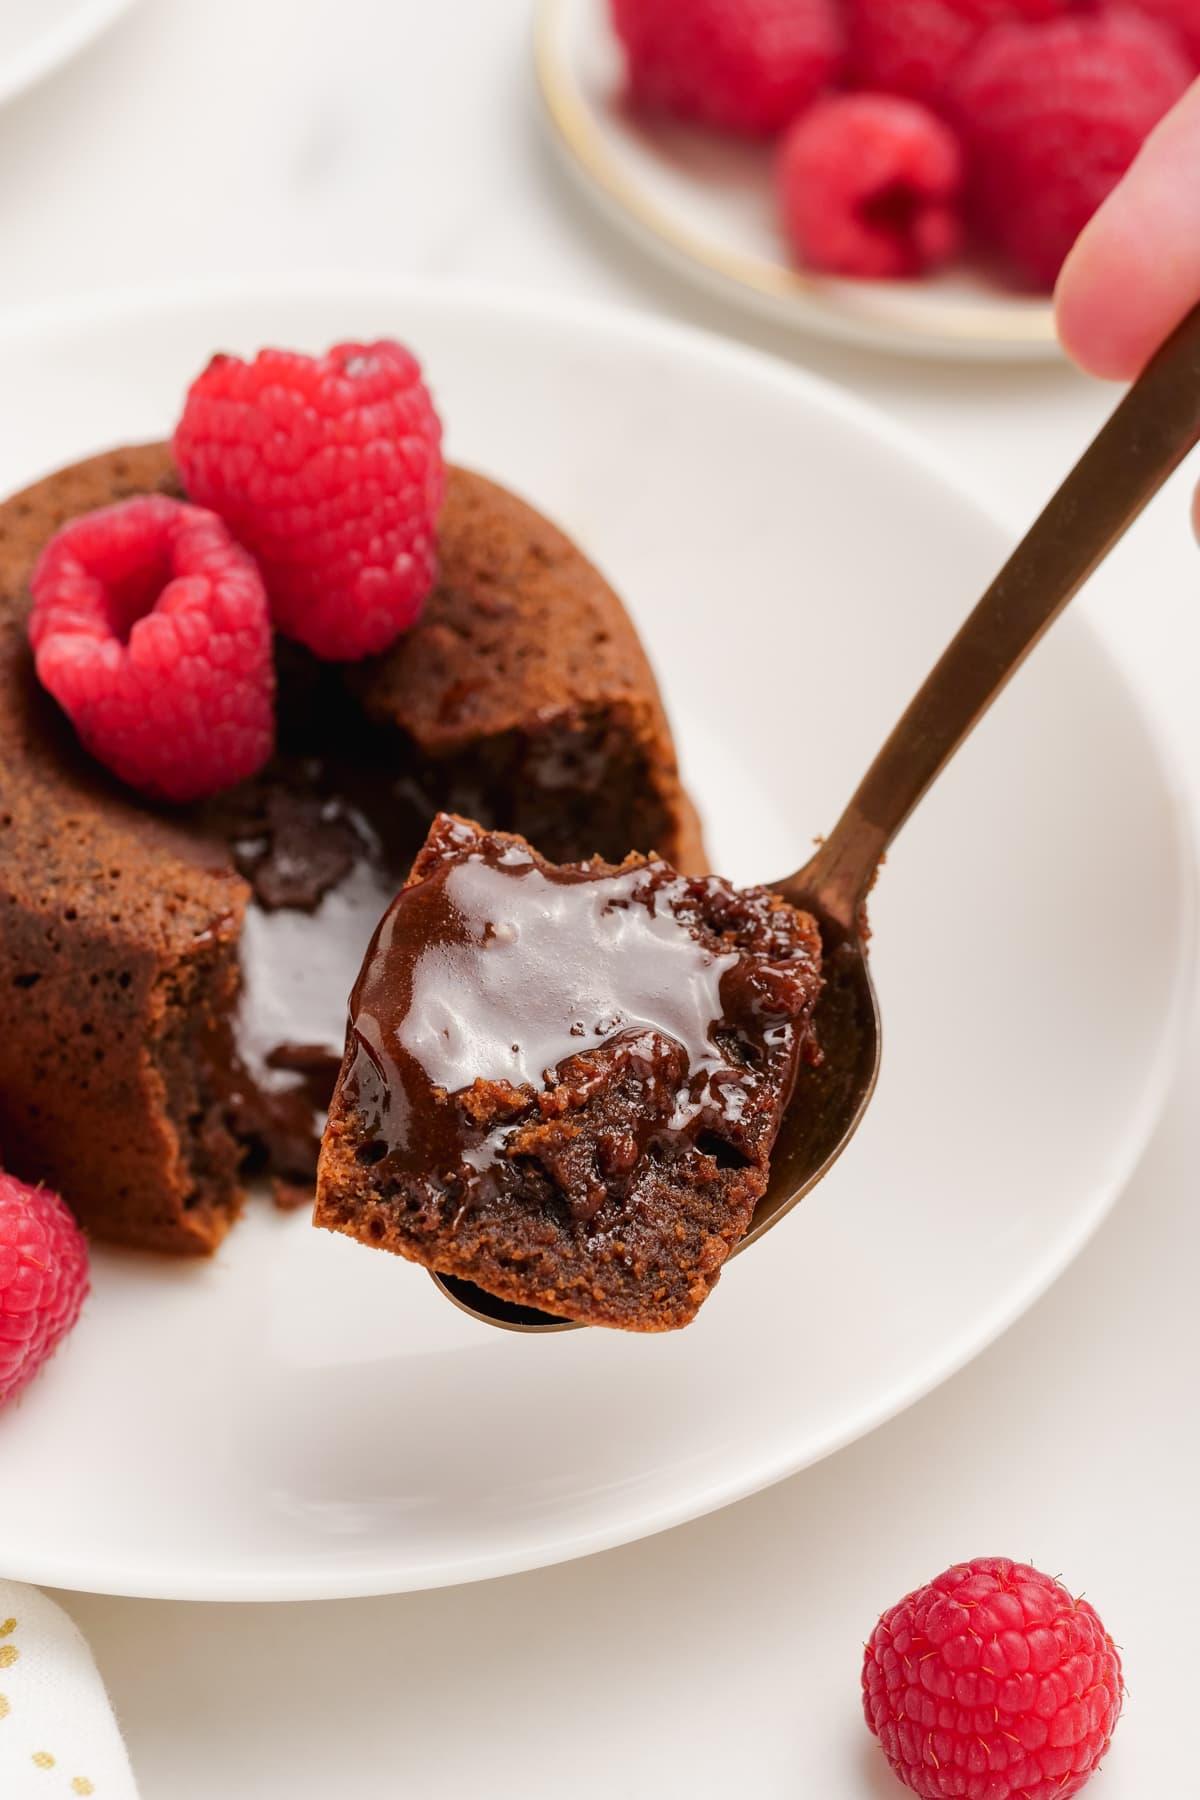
746	66
869	185
150	628
563	1083
992	1682
173	986
329	468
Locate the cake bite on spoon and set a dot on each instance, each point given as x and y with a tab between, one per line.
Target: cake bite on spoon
563	1082
582	1089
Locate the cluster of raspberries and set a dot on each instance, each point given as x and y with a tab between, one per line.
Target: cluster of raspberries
909	128
313	488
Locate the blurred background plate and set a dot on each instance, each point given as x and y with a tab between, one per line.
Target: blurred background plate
36	36
302	1417
704	205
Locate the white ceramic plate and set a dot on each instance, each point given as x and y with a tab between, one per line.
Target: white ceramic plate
36	36
703	204
302	1417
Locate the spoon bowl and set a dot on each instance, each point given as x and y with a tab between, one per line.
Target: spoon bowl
1149	434
830	1101
826	1110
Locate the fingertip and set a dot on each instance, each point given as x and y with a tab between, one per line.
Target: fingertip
1135	271
1100	322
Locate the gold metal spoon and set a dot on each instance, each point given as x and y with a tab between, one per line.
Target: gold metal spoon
1143	443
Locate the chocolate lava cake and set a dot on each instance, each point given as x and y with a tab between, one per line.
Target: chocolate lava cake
563	1083
173	984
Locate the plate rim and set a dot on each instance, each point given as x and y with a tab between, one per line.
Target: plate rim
846	312
385	1576
50	50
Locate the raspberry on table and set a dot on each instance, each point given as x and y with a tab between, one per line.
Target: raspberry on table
913	47
1052	116
869	185
745	66
43	1279
150	627
992	1683
329	469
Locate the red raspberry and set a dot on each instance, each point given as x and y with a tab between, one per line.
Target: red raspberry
869	185
747	66
1052	116
1183	17
914	46
150	627
43	1279
992	1682
330	470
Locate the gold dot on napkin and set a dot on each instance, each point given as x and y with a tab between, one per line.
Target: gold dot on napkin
8	1655
43	1759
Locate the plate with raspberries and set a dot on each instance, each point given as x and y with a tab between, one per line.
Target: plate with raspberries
351	673
905	174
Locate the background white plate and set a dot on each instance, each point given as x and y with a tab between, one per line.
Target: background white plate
301	1417
36	36
705	205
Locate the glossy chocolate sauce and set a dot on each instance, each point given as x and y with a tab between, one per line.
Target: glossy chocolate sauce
324	848
502	995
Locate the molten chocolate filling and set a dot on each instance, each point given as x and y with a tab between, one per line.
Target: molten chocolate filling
324	846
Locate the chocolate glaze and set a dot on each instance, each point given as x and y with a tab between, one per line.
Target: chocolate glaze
501	994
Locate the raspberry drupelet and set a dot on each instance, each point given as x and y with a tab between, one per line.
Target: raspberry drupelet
1051	117
744	66
914	47
1182	17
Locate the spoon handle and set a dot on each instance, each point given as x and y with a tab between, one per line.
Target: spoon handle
1143	443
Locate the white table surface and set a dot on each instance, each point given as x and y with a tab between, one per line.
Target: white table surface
204	137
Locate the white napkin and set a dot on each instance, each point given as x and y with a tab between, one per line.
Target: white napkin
58	1736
